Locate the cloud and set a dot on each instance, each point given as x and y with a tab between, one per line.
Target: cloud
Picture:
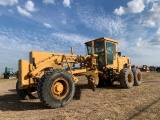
8	2
151	1
119	11
10	10
74	38
29	6
139	42
49	1
134	6
144	55
152	18
141	52
101	22
67	3
68	40
47	25
23	12
156	38
14	47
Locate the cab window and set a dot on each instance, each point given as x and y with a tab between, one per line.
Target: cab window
89	48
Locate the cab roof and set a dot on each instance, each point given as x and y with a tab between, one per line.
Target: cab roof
104	38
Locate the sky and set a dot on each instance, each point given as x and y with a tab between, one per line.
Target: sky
57	25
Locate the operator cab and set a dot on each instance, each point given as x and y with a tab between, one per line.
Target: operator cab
9	70
106	49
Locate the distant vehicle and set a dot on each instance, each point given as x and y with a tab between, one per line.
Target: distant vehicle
8	72
152	68
158	69
144	68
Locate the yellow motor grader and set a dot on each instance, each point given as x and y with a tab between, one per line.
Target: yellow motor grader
53	76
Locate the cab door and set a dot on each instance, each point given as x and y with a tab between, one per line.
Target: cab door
110	54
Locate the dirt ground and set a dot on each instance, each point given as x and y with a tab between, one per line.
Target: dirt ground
110	103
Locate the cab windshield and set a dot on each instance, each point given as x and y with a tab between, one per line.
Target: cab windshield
99	50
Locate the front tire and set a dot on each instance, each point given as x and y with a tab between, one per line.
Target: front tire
126	78
56	89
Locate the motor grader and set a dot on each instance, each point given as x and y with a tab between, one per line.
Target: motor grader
53	76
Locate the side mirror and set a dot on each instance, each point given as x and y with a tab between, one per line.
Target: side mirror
119	53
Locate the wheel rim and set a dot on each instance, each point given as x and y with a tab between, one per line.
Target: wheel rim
139	76
60	88
129	78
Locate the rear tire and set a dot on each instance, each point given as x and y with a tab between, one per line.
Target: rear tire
23	94
137	77
126	78
56	89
